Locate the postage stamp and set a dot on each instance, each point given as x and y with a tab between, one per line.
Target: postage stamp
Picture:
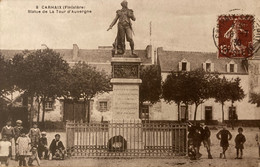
235	36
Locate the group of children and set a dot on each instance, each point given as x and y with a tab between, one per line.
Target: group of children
20	145
198	134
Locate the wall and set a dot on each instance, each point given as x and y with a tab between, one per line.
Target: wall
170	111
50	115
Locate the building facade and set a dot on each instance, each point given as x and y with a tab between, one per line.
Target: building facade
210	111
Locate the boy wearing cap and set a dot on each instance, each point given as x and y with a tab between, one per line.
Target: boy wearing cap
57	149
17	129
43	146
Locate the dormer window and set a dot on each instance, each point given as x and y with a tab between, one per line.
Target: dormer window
208	66
184	65
232	67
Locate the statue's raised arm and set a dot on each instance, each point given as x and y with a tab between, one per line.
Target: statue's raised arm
125	30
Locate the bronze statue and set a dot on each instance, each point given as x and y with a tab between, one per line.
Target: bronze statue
125	29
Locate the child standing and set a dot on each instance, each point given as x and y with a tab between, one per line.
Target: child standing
34	135
8	130
206	140
23	148
240	140
17	132
224	136
17	129
43	146
257	138
197	142
5	150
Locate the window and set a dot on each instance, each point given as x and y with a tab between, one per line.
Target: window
232	113
183	110
232	67
208	114
103	106
144	115
49	105
208	67
184	66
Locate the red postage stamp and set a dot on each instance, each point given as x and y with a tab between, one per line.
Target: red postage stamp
235	36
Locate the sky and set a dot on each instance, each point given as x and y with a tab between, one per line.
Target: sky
181	25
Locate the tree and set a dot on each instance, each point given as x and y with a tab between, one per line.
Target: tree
86	82
192	87
150	88
255	99
236	94
175	89
221	92
41	75
227	90
201	88
5	78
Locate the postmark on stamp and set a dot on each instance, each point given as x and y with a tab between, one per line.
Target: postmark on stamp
235	36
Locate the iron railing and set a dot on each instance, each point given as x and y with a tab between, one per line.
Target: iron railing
126	139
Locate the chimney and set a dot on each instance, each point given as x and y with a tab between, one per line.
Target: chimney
43	46
75	53
149	51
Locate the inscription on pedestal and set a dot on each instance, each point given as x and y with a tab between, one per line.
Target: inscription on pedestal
125	102
125	71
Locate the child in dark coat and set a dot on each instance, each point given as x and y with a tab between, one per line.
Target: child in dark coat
240	140
57	149
197	142
224	136
43	146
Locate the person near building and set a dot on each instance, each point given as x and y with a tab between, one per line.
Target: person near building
5	150
8	131
57	149
17	132
43	146
23	148
240	140
35	135
206	139
197	142
224	136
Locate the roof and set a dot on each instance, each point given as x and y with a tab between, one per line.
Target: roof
169	60
104	55
100	58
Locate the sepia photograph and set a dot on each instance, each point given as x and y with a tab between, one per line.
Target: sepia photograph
129	83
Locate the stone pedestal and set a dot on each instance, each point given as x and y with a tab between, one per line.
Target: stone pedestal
125	102
126	81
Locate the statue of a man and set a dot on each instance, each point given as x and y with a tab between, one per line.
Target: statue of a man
124	16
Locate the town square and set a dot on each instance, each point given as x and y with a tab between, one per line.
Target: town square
130	83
